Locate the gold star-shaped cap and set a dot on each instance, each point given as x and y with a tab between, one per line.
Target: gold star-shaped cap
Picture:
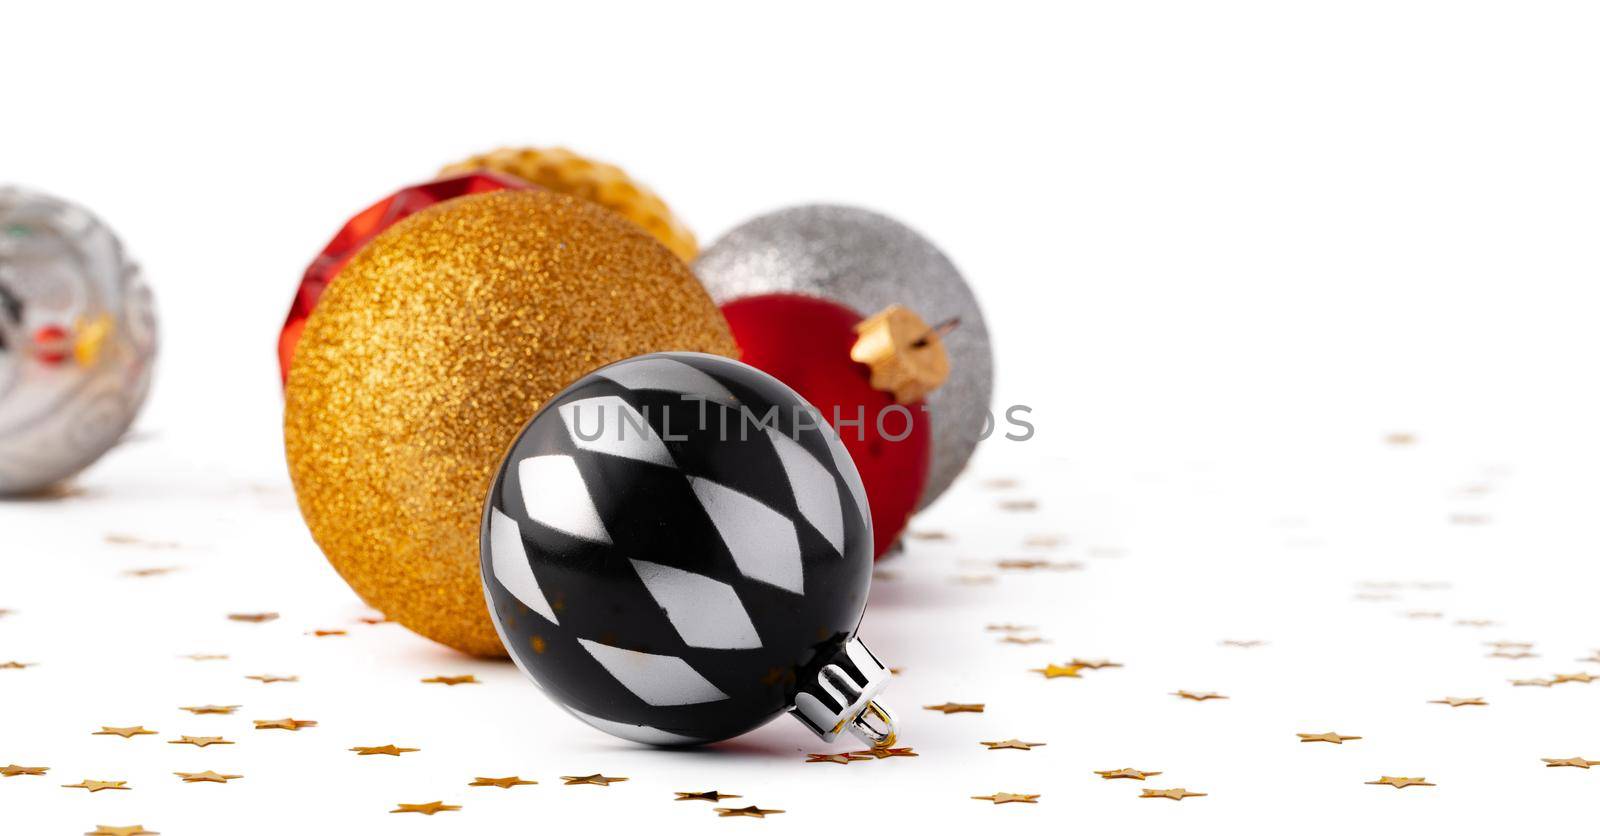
906	356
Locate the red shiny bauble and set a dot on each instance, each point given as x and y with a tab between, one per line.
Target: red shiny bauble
805	342
363	228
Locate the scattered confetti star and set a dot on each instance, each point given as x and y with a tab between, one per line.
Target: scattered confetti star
1135	774
201	742
322	634
1540	683
708	795
13	770
386	749
426	809
1024	640
150	572
253	617
287	724
1401	783
1424	614
209	709
843	757
1008	628
373	619
469	679
124	732
1400	439
597	779
126	830
1020	505
269	678
927	535
502	783
957	707
1021	563
1013	743
1009	798
1244	643
751	811
96	786
15	665
1176	794
1512	654
1578	762
1198	696
205	657
1509	645
1475	622
1042	541
1053	671
1593	657
880	754
1094	664
205	777
1326	737
973	580
1573	677
1457	702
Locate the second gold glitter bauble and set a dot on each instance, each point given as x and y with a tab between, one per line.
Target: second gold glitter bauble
563	171
419	366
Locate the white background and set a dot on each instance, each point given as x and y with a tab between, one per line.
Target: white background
1224	248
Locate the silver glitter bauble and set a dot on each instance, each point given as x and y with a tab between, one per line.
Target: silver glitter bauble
866	262
77	340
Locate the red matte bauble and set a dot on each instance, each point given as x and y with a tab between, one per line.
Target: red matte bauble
363	228
805	342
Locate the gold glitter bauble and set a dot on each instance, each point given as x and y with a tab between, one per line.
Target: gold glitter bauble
421	363
563	171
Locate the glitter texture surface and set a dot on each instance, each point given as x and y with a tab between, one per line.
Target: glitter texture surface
867	262
420	365
568	173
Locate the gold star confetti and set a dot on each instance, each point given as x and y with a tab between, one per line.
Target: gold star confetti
205	777
1424	614
502	783
1024	640
13	770
15	665
209	709
1094	664
386	749
1042	541
1027	563
1008	628
125	830
1176	794
973	580
1054	671
1400	439
469	679
287	724
1400	783
751	812
928	535
957	707
708	795
1135	774
322	634
4	613
1578	762
1013	743
1009	798
426	809
843	757
205	657
596	779
880	754
1502	645
1244	643
269	678
1540	683
124	732
1198	696
201	742
1457	702
253	617
1592	657
1511	654
1475	622
1326	737
1469	519
149	572
96	786
1573	677
373	619
1001	483
1020	505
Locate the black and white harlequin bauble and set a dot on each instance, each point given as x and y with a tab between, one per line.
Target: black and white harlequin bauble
676	550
